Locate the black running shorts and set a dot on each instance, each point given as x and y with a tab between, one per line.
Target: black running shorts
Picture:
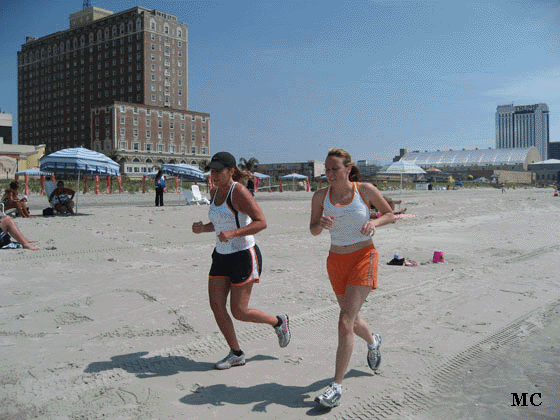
240	267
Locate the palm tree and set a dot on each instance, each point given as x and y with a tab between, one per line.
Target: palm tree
248	164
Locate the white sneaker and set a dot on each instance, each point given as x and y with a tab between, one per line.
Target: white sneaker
283	331
231	360
374	352
331	397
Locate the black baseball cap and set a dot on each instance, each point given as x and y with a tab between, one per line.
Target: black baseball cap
222	160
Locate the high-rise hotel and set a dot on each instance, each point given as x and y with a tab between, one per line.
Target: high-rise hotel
116	83
523	126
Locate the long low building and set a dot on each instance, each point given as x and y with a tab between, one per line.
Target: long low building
508	159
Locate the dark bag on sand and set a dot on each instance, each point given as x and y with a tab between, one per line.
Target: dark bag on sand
4	239
49	211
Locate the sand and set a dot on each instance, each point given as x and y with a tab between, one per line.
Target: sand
110	318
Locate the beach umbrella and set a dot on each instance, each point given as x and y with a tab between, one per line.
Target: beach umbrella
33	172
402	168
79	161
294	177
184	171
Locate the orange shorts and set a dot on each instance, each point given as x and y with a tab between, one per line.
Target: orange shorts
358	268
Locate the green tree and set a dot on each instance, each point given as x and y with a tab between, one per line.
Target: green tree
248	164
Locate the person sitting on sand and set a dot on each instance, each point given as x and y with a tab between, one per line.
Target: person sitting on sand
11	200
375	213
61	198
9	228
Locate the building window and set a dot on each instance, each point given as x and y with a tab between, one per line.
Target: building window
123	132
123	145
148	147
160	148
148	111
148	122
160	135
136	146
135	110
148	134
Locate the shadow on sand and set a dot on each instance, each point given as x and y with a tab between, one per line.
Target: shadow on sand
264	394
156	366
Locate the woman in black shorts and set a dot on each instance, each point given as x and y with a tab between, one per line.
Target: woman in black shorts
235	216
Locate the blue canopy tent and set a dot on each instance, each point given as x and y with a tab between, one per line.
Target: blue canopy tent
261	177
80	161
294	177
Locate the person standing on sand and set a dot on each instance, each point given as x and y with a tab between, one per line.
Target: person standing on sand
160	188
343	208
235	216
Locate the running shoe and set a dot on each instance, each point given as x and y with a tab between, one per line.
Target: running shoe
331	397
283	331
231	360
374	352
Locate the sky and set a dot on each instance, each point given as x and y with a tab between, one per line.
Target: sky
284	81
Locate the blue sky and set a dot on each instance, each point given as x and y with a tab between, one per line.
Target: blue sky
286	80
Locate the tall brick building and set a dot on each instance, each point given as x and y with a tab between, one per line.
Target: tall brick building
116	83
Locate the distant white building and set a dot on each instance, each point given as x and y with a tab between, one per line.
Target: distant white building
523	126
6	128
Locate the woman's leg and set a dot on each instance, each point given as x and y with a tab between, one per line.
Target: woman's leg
240	296
8	225
361	328
22	209
218	290
350	305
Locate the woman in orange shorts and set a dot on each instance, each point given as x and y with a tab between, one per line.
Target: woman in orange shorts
343	209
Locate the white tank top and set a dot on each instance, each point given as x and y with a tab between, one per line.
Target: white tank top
348	218
227	217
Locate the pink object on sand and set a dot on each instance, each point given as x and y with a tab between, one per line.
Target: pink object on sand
438	257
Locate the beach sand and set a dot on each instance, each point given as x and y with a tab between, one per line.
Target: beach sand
110	318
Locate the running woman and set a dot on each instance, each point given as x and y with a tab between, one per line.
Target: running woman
235	216
343	209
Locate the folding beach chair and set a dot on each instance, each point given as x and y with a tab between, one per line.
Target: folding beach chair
10	212
198	196
49	188
193	196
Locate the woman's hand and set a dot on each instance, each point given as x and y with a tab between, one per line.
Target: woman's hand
368	229
198	227
226	235
326	222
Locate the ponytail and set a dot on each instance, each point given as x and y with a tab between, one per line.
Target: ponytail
240	175
355	175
